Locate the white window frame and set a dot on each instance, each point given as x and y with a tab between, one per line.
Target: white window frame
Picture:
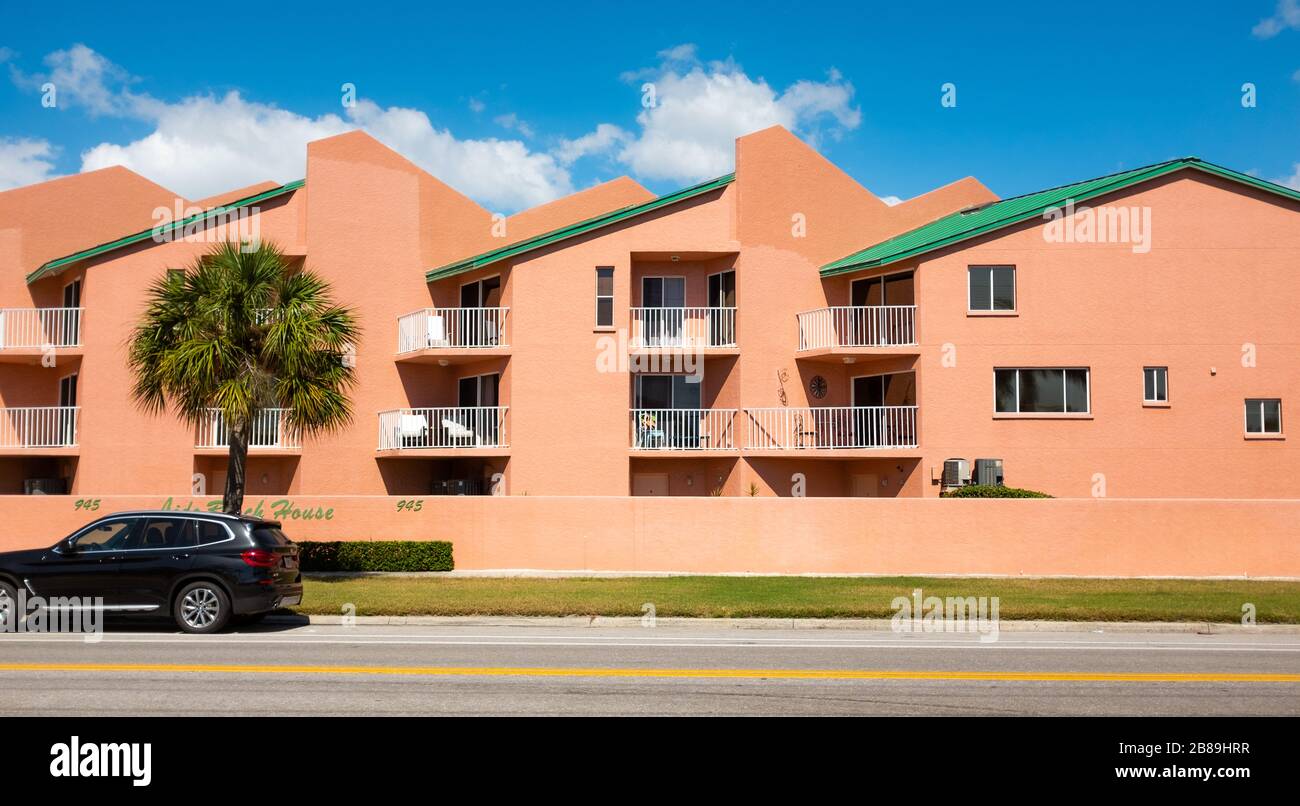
1015	289
1064	395
1245	417
1157	401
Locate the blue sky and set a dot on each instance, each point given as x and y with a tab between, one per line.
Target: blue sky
517	103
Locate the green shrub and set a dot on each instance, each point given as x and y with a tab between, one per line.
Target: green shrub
376	555
993	491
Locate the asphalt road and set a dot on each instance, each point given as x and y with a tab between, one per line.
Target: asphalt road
466	669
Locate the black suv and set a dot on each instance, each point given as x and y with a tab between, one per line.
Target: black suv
204	569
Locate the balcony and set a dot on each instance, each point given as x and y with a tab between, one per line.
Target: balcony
452	431
688	430
848	331
38	429
26	334
711	330
271	433
832	428
452	335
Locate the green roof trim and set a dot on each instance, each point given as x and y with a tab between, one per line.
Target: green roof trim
574	230
59	264
964	225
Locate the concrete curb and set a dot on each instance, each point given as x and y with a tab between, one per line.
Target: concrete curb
871	625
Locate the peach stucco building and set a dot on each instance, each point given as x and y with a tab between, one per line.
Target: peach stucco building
775	332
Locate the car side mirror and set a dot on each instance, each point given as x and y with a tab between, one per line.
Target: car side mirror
67	546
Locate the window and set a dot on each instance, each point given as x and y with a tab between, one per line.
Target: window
210	532
106	536
1155	385
605	296
1263	416
1041	391
164	533
992	288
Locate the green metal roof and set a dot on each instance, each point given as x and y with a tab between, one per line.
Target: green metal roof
59	264
961	226
574	230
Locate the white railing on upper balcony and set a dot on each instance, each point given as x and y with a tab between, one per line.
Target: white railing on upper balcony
858	326
683	327
38	427
453	427
40	328
831	427
434	328
683	429
270	429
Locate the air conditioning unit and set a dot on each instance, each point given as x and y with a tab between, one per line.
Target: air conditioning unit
45	487
988	472
956	472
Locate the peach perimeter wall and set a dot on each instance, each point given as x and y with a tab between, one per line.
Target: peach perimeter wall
1075	537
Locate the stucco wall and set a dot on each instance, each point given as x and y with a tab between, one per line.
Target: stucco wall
1192	538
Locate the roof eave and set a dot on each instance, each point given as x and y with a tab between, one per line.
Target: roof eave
839	267
59	265
574	230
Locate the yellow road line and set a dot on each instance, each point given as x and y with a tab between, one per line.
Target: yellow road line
744	674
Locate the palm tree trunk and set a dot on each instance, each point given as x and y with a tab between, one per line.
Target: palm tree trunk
233	500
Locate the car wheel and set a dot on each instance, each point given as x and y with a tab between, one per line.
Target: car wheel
202	607
9	614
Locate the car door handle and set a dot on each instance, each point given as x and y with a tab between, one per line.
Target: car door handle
180	556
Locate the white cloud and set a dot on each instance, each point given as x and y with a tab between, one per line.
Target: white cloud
512	122
85	79
25	162
891	200
699	110
1292	181
603	139
1286	16
501	173
202	145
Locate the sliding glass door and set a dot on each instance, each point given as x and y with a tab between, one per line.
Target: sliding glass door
664	299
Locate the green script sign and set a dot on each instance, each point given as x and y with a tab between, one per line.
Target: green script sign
281	509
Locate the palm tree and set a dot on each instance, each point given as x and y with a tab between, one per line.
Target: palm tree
240	331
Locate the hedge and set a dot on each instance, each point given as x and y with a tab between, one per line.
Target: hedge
993	491
375	555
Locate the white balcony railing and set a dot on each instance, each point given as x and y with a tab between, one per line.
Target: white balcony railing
683	429
433	328
38	427
270	429
40	328
683	327
858	326
832	427
456	427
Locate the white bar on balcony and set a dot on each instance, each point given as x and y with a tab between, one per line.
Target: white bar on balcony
683	429
831	427
433	328
683	327
38	427
270	430
453	427
858	326
40	328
